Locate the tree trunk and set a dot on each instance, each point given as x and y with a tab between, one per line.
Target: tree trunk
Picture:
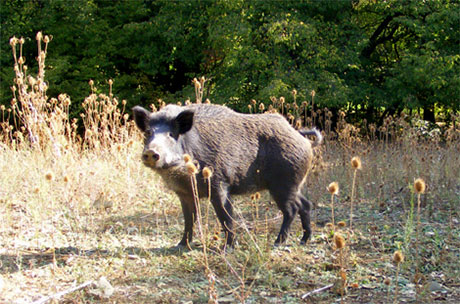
428	113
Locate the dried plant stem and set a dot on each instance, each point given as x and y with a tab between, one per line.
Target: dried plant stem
417	245
417	241
257	216
267	245
332	209
388	291
209	273
208	203
342	275
352	198
396	283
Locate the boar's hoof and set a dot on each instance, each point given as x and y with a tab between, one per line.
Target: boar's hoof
180	248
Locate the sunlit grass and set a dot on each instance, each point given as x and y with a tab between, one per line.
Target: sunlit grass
76	206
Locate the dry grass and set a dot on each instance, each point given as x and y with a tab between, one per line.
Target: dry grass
76	208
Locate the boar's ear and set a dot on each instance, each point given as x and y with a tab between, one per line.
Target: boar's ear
141	117
184	121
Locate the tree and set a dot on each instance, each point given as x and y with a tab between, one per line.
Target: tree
370	58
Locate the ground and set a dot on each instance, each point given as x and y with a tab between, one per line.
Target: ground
74	219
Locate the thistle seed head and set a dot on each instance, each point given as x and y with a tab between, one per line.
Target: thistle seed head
13	41
419	186
356	163
49	176
187	158
339	241
257	196
207	172
191	168
398	257
333	188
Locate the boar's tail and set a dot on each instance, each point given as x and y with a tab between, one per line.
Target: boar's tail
314	132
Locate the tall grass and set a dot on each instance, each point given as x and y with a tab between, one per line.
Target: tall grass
76	204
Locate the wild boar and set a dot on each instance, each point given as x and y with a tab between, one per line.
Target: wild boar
247	153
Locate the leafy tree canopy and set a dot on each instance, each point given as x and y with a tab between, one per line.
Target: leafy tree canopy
372	57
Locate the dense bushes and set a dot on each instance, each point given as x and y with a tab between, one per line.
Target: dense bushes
369	58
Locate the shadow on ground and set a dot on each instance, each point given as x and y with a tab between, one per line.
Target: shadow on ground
30	259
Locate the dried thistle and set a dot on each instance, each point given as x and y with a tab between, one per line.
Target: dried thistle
398	257
339	241
49	176
191	168
257	196
419	186
333	188
207	172
261	107
356	163
13	41
187	158
342	224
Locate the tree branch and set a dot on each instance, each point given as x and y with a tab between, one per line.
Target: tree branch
62	293
374	41
317	290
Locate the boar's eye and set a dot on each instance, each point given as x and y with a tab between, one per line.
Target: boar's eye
148	133
172	135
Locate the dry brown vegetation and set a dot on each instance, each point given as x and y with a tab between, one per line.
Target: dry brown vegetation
75	207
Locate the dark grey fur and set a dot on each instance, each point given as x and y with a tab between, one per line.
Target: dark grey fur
247	153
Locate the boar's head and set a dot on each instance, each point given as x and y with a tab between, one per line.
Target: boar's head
163	131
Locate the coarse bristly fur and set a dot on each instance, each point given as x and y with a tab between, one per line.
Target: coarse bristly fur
247	153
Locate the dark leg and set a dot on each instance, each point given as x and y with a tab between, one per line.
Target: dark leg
223	208
304	212
189	211
289	206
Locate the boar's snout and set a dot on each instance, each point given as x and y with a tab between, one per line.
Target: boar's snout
150	157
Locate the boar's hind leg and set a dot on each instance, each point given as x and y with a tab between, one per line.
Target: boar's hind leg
189	211
221	202
288	203
304	211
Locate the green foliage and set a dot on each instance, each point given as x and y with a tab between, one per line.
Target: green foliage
378	56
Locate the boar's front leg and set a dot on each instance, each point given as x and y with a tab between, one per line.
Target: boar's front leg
189	211
221	202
